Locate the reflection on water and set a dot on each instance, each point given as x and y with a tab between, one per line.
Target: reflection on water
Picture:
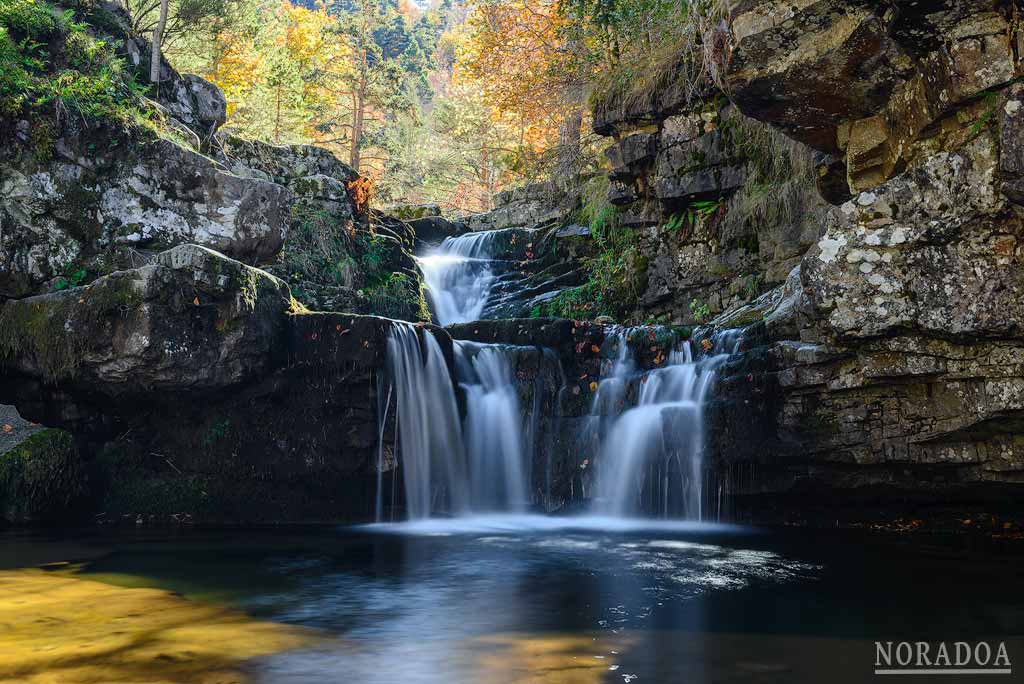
64	629
513	599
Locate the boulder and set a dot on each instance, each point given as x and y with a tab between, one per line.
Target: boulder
432	230
192	319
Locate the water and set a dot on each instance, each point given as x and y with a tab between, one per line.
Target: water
495	444
651	454
429	434
450	467
505	599
459	276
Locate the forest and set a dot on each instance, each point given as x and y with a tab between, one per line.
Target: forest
448	102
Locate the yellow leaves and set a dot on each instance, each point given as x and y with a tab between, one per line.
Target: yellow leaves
512	52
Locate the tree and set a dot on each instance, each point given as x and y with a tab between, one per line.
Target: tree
158	36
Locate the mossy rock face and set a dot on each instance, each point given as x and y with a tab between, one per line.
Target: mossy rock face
43	479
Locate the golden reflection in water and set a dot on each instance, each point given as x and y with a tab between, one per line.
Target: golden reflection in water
60	629
548	658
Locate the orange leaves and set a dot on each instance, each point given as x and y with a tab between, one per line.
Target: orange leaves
361	192
8	428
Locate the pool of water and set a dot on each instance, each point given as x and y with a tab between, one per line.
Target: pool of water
533	599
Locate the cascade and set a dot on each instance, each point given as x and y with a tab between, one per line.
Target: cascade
429	435
651	453
481	464
460	274
493	429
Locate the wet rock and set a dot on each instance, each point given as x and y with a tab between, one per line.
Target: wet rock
432	230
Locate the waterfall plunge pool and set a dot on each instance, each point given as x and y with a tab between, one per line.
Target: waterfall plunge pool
495	598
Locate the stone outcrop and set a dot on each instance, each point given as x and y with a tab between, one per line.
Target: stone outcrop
195	387
722	206
527	206
877	82
891	357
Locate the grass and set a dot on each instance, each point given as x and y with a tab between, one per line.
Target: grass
613	274
53	64
677	48
780	188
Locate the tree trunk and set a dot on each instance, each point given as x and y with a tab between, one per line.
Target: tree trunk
158	39
357	124
567	165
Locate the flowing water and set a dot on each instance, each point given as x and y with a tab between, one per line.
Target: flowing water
652	453
495	444
429	435
459	276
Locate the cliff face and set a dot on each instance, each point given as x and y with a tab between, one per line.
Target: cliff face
895	342
193	381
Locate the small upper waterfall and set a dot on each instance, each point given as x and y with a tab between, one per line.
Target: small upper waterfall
651	454
459	277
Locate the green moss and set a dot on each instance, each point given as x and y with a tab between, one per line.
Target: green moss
54	331
133	481
52	63
42	479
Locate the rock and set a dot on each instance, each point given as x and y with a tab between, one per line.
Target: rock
282	164
908	255
868	80
411	212
88	211
14	429
432	230
1011	142
192	319
200	394
197	103
631	155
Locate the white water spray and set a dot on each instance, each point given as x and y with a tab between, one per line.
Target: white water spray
651	460
429	437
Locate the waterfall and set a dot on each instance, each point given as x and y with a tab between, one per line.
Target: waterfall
429	435
495	447
460	275
479	465
651	453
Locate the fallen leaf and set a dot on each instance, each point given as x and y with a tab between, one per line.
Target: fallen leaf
594	348
196	301
593	386
8	427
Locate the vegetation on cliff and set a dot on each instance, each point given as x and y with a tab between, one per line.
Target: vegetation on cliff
43	479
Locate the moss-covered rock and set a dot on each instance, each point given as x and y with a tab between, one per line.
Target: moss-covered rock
43	479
